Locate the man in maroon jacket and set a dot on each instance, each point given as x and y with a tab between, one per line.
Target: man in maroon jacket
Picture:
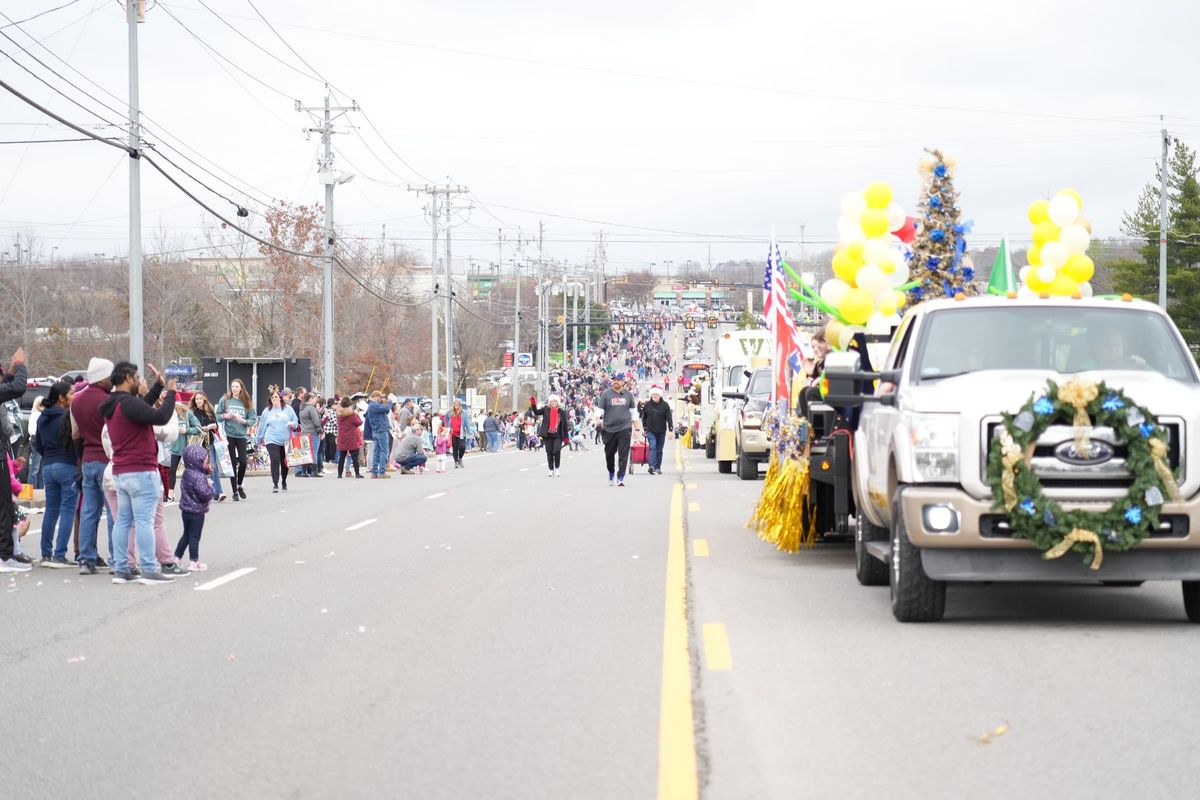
87	425
131	422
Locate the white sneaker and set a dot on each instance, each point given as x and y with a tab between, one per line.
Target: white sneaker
11	565
557	472
550	474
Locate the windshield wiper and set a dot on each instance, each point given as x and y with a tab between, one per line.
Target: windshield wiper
937	376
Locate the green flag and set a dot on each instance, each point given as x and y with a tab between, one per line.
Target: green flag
1002	281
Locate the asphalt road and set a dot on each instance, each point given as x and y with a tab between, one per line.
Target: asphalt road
491	633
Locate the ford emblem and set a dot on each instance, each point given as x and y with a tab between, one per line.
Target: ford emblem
1101	452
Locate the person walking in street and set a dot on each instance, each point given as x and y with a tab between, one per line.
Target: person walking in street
441	446
206	416
491	427
12	387
459	424
236	409
658	424
411	455
349	437
552	430
131	422
53	441
195	493
310	428
87	426
616	404
379	423
275	428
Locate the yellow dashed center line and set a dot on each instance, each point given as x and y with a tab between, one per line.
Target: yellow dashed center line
716	647
700	548
693	507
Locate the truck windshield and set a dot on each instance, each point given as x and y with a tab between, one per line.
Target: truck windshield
760	384
1055	338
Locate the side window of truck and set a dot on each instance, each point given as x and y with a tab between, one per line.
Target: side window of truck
896	357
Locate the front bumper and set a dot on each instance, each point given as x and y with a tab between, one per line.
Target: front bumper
979	550
754	444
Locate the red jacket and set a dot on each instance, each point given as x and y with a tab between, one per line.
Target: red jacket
85	410
349	437
131	422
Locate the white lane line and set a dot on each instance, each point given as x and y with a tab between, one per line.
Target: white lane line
523	469
224	579
435	496
362	524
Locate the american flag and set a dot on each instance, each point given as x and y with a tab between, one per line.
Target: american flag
780	323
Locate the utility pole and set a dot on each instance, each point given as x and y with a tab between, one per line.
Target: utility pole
587	315
1162	222
449	192
134	13
575	324
325	175
516	371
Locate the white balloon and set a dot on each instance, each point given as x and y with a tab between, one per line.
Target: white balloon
1047	274
1063	210
875	250
832	291
896	217
1023	273
878	323
853	205
1054	254
870	279
900	276
1075	238
1085	289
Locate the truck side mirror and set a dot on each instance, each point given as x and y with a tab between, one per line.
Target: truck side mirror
733	395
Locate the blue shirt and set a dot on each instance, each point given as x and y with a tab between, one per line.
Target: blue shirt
275	425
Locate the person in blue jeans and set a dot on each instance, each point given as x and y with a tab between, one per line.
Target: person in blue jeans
131	422
53	442
88	425
378	413
657	423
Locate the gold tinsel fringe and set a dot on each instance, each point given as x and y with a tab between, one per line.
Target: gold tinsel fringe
686	441
783	515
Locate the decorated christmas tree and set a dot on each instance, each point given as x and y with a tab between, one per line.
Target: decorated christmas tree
939	263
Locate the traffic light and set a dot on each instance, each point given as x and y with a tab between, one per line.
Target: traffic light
561	319
690	324
712	322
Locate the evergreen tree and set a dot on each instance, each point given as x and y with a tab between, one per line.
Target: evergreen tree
1140	276
939	260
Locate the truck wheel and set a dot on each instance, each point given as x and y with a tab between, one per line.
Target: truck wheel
1191	600
915	598
710	448
747	469
869	570
724	467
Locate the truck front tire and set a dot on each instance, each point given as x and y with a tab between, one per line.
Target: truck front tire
710	447
1191	600
724	467
869	570
915	597
747	468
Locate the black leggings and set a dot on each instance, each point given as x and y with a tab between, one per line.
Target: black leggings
193	525
617	443
331	450
278	455
341	459
553	451
459	446
237	456
174	471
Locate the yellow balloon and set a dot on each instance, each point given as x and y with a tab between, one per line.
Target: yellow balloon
1035	283
1079	268
855	251
1078	198
1083	223
887	267
833	332
901	299
888	306
878	195
1039	211
1034	256
1063	286
874	222
856	306
844	266
1045	232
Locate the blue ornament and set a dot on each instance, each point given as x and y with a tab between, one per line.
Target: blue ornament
1028	507
1147	429
968	274
1048	518
1112	403
1134	515
937	235
940	170
918	294
1043	406
935	201
932	262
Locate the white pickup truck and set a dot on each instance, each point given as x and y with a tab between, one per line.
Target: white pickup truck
926	514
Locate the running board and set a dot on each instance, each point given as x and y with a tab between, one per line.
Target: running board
881	551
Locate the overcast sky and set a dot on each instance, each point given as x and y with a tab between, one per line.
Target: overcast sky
708	121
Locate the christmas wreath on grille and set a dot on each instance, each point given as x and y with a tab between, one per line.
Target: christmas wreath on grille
1043	521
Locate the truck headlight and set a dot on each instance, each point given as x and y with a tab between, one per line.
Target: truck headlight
751	419
935	447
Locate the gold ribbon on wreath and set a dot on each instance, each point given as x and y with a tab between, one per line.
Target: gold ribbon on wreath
1158	454
1010	456
1077	536
1079	394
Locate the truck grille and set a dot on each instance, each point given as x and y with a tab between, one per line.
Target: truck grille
1170	526
1112	474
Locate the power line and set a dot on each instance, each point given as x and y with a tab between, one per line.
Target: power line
235	29
40	14
42	141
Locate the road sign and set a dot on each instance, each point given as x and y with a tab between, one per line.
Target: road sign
524	359
508	358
